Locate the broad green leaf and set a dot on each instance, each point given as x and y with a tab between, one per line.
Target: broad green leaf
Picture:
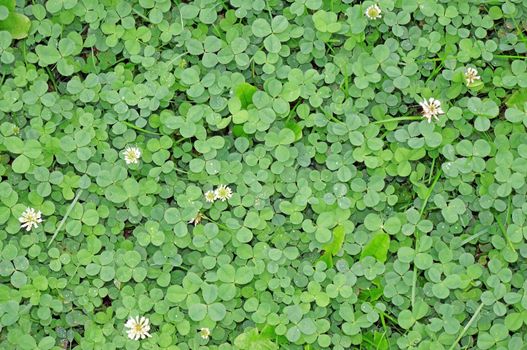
377	247
16	24
245	93
252	340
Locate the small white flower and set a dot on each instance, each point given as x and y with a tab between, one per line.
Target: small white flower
223	192
373	12
210	196
204	333
138	327
471	75
197	219
132	155
431	109
30	218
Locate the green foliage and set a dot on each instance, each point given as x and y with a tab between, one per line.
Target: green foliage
347	220
13	22
377	247
251	339
245	93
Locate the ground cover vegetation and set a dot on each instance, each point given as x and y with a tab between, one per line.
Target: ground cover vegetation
263	174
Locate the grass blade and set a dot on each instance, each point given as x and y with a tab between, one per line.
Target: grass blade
467	326
65	216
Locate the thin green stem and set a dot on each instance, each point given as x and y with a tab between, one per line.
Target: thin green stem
518	31
178	56
509	212
217	223
218	32
467	326
413	117
368	341
383	322
141	15
139	129
180	170
74	273
292	111
504	231
432	171
93	60
346	80
180	140
436	59
429	193
510	56
414	283
423	206
52	77
70	208
330	48
383	314
475	235
435	72
24	53
269	10
331	117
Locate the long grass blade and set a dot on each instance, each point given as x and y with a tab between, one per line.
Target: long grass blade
70	208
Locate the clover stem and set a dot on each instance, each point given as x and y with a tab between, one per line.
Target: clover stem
432	170
180	170
509	212
346	80
217	223
218	32
331	117
269	10
74	273
52	77
93	60
423	206
429	60
141	15
138	128
178	56
397	119
292	111
510	56
436	71
504	231
24	51
414	282
430	190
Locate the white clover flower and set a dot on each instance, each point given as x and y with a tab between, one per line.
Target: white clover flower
210	196
138	328
223	192
431	109
197	219
132	155
373	12
471	75
30	218
204	333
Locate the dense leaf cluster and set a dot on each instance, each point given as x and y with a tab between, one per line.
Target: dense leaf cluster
353	221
